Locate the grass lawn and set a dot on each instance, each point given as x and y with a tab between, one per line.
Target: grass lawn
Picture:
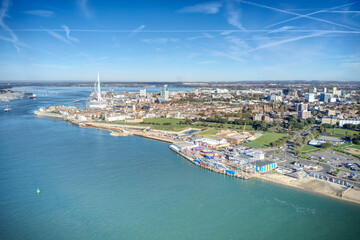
355	146
170	124
225	126
306	148
267	138
346	145
211	131
162	121
342	148
341	131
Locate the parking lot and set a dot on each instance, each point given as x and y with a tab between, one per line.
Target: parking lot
339	159
333	158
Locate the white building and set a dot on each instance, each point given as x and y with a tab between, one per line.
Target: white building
210	141
316	142
115	118
309	97
196	91
180	146
349	121
275	98
222	90
142	92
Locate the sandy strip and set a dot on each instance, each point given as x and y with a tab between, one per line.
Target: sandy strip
314	185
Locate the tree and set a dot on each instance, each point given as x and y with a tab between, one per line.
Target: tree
315	133
326	145
322	129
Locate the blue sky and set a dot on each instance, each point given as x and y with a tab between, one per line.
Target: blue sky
165	40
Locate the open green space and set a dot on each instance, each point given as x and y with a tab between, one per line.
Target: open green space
355	146
341	131
170	124
267	139
225	126
211	131
307	148
342	148
346	145
170	121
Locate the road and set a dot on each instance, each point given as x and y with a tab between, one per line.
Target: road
284	157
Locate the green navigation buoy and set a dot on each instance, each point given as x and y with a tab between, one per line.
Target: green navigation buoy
38	191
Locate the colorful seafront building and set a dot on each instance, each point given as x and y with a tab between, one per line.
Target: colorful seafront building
263	165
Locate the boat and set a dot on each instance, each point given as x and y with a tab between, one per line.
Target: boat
7	109
75	101
33	96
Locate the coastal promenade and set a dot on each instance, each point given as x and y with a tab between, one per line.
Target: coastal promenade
308	184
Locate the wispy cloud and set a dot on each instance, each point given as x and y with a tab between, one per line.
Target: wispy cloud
40	13
208	8
227	54
204	35
298	15
342	11
226	32
309	14
233	15
220	31
13	38
136	30
67	31
58	36
159	40
282	29
51	66
206	62
273	44
83	6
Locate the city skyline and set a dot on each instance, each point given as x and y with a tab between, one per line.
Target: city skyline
179	40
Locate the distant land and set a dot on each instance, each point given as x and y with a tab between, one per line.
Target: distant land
355	85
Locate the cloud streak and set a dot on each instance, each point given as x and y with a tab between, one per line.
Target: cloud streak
52	66
221	31
58	36
13	38
137	30
204	35
67	31
273	44
207	8
233	15
159	40
297	14
83	6
40	13
282	29
342	11
309	14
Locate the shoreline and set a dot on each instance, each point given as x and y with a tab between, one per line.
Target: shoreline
298	186
306	184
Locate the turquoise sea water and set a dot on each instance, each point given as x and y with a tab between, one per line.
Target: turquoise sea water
94	186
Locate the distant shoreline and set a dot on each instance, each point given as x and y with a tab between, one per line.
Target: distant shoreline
270	84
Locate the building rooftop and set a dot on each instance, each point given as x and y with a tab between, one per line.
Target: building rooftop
262	163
